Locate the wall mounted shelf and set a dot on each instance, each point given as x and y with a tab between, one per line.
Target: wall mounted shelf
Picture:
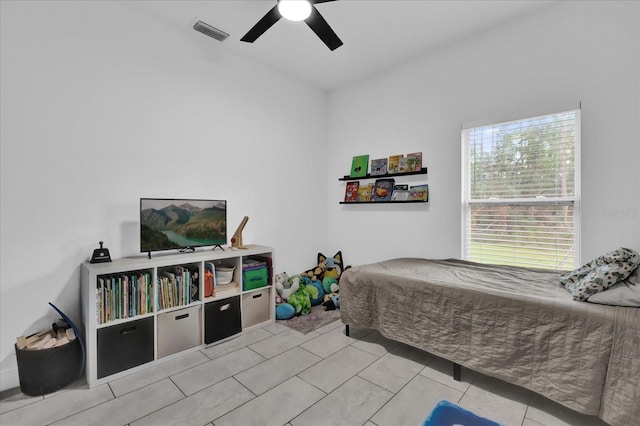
422	171
384	202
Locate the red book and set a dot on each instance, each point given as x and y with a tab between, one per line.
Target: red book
351	192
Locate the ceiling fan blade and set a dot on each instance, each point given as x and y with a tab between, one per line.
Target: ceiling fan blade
263	25
320	1
322	29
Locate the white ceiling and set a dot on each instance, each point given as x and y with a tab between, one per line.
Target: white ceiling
377	34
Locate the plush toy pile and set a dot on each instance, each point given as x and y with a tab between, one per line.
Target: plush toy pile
320	285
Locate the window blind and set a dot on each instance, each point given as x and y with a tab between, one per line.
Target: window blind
521	192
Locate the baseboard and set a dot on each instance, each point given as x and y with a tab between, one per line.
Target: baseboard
9	379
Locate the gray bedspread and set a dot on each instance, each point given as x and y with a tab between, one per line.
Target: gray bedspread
516	324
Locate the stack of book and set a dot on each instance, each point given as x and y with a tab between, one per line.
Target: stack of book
123	295
224	290
217	289
177	286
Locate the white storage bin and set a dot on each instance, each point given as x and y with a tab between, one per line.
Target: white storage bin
256	308
179	330
224	274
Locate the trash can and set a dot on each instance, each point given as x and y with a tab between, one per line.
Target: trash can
43	371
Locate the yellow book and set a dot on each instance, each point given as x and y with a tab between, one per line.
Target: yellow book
364	192
392	166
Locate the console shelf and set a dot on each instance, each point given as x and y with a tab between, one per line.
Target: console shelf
144	321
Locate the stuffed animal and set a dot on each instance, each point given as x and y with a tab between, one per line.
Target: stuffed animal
285	286
331	266
281	278
314	273
326	267
285	311
331	302
330	285
301	299
318	285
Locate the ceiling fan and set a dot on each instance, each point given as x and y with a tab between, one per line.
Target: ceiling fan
296	10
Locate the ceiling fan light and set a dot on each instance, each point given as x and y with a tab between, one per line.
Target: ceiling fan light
294	10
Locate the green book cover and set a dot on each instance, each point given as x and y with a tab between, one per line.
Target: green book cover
359	165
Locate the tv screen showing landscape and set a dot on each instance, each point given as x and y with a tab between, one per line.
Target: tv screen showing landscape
167	224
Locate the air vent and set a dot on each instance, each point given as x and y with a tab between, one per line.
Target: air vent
210	31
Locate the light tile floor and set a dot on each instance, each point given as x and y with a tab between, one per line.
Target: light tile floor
276	376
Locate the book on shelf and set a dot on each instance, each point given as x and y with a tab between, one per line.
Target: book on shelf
364	192
419	193
351	191
400	193
176	286
139	303
414	161
194	280
223	290
392	166
379	167
181	283
359	166
122	296
383	189
167	286
403	165
100	301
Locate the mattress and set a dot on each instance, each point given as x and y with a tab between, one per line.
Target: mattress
517	324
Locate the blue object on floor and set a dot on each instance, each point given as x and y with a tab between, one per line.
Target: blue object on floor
284	311
447	414
76	331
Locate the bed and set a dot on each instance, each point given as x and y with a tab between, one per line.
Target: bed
519	325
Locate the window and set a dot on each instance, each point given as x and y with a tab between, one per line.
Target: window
521	192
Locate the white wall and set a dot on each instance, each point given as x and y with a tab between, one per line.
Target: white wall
548	62
97	113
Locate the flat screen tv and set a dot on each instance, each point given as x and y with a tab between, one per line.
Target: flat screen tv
182	224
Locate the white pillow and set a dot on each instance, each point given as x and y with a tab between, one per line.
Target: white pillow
624	293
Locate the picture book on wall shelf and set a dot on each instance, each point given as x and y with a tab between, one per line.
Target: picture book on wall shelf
351	192
419	193
400	193
414	161
403	165
379	167
392	166
382	189
359	166
364	192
